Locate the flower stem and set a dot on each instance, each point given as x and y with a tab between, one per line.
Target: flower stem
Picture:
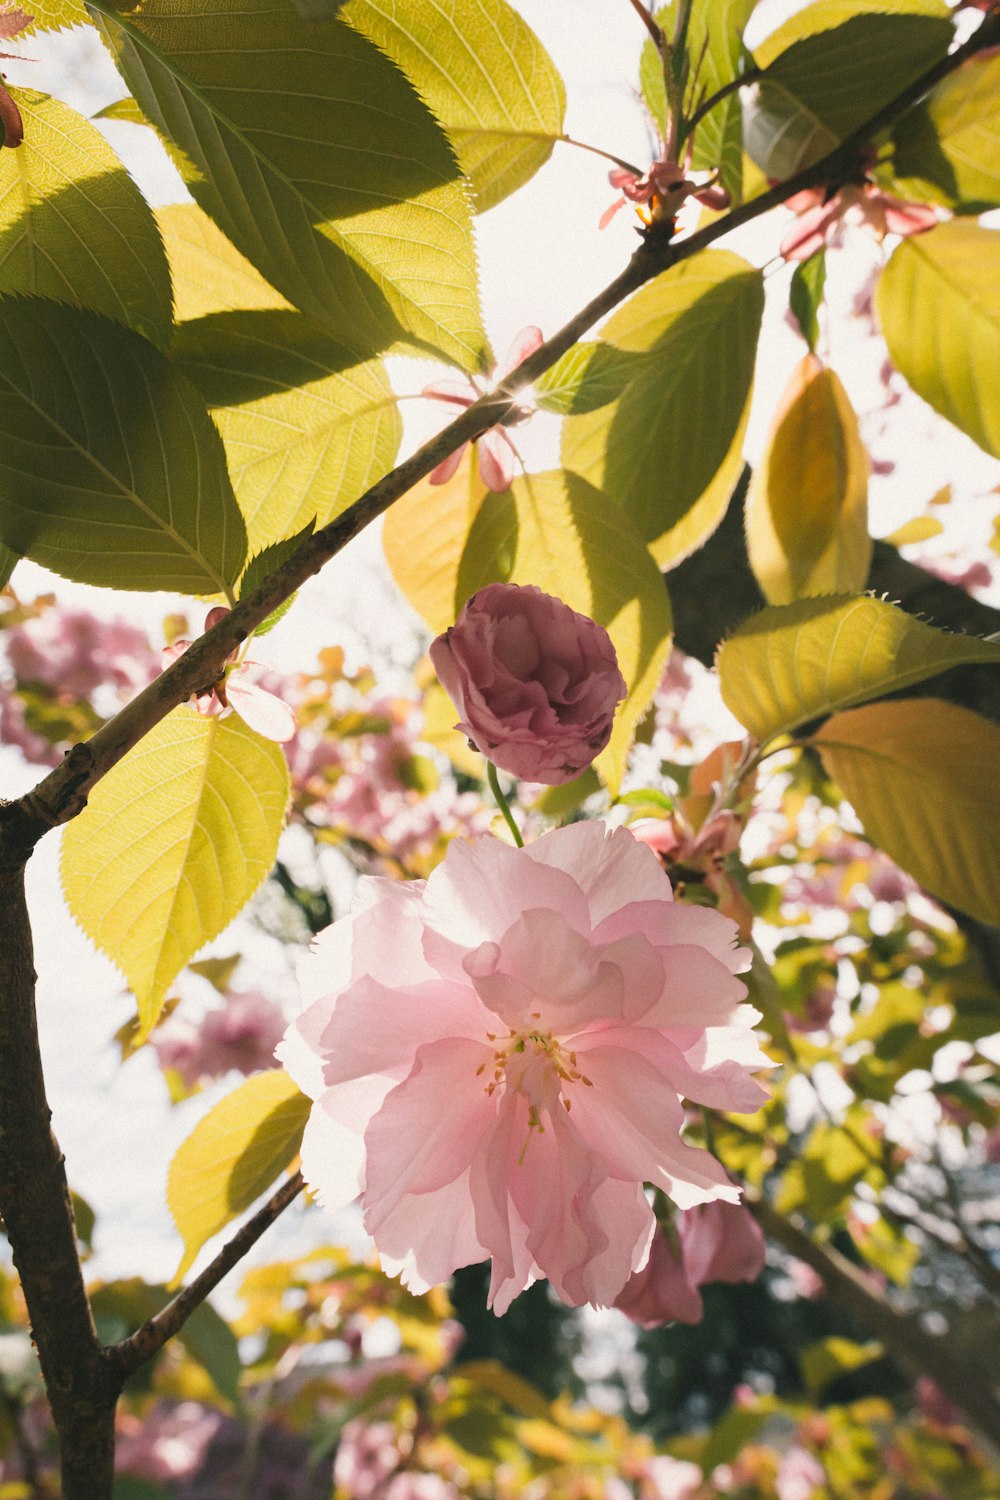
503	804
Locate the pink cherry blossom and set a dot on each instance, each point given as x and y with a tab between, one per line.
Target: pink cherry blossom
169	1443
800	1474
536	683
497	1057
496	452
241	1036
366	1456
718	1242
268	714
821	214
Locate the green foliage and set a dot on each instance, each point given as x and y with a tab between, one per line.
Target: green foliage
73	225
233	1155
921	775
938	302
306	427
317	158
172	844
806	295
668	450
947	148
826	73
111	471
796	662
485	76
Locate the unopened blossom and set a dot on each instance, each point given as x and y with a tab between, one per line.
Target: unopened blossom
498	1054
12	20
536	683
664	187
718	1242
268	714
496	452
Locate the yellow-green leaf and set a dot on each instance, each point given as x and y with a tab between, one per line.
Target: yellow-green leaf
807	520
921	775
938	301
172	844
920	529
52	15
318	159
948	147
232	1156
832	1357
424	536
209	274
558	532
486	77
74	226
830	67
306	427
796	662
658	449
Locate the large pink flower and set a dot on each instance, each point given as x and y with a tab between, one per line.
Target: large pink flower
536	683
498	1056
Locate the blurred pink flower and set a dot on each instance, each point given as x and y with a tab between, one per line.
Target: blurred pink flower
74	653
800	1474
718	1242
536	683
820	215
668	1478
168	1443
366	1455
243	1035
561	1004
269	715
407	1486
496	452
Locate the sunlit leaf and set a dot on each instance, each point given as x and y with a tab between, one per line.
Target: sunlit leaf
209	274
807	513
832	1357
51	15
485	75
307	428
424	536
938	302
74	226
921	775
830	67
806	295
797	662
319	161
172	844
232	1156
111	471
656	450
948	147
920	529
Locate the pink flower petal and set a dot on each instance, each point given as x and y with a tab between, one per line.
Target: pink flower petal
264	712
447	467
525	343
496	460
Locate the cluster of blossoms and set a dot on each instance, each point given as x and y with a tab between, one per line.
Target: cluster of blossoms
821	213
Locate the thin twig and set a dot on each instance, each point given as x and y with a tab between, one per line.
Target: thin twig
131	1352
646	17
706	106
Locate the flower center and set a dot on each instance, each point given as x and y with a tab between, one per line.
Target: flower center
535	1064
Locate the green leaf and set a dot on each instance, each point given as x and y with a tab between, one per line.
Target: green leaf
558	532
74	226
172	844
111	471
485	76
554	530
232	1156
714	50
948	147
208	273
938	301
588	376
263	564
8	562
824	1175
52	15
806	295
807	513
319	161
921	775
306	427
797	662
658	449
827	1360
830	68
208	1339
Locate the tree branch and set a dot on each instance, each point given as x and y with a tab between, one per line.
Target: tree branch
35	1203
918	1352
127	1355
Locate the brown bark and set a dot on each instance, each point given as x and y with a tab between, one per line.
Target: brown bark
34	1200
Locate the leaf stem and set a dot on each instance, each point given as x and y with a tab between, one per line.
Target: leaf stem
503	804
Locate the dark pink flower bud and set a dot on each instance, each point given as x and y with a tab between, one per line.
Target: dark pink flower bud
536	683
